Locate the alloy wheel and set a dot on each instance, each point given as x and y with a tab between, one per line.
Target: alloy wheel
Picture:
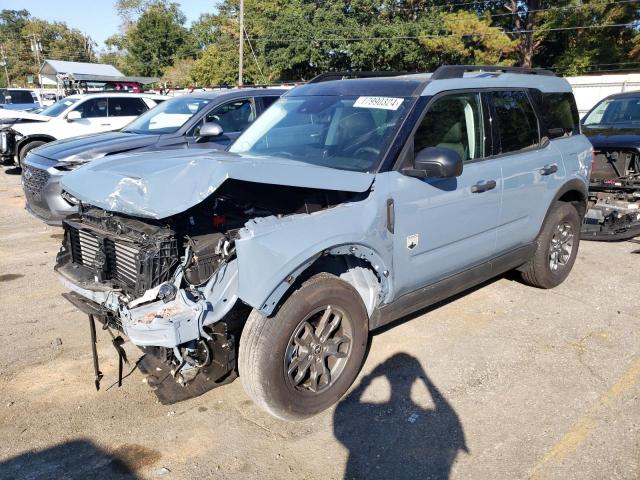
561	246
318	350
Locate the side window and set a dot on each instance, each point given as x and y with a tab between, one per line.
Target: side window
233	116
454	122
21	96
516	119
93	108
268	101
559	112
126	107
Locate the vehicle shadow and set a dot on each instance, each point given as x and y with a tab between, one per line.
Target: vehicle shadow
77	459
398	438
512	276
13	171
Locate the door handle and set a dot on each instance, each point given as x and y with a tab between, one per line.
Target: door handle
483	187
549	169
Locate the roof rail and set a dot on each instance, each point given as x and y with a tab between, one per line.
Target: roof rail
327	77
457	71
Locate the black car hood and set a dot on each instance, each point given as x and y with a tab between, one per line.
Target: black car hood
613	137
90	147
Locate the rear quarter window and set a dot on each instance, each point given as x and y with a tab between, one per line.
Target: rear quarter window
559	113
21	96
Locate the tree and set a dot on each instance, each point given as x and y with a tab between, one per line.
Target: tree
572	49
57	40
298	39
179	74
157	39
466	38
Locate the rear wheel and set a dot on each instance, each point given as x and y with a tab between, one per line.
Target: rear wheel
557	248
27	148
302	360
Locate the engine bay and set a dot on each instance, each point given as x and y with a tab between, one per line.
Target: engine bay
614	196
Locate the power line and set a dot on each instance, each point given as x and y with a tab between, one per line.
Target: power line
414	37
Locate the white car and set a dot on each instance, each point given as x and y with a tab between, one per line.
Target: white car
73	116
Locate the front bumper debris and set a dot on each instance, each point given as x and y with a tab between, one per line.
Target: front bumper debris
614	210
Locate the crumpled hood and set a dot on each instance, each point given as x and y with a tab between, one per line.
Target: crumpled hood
161	184
90	147
9	117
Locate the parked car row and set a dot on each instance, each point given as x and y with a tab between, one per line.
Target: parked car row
245	232
202	120
18	99
73	116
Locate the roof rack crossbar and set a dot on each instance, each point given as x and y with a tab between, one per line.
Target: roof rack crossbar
329	76
457	71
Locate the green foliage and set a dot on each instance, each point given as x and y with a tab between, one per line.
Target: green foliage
298	39
466	38
57	40
156	39
293	40
578	51
179	74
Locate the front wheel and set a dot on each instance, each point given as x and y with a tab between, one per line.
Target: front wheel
27	148
557	248
303	359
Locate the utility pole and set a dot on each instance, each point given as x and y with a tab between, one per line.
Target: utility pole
3	62
36	48
241	63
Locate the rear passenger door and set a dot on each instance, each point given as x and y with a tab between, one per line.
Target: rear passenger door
532	169
123	110
444	226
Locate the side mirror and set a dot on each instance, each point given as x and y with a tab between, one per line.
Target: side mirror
435	162
73	116
210	130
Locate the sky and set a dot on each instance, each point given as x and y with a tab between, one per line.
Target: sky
96	18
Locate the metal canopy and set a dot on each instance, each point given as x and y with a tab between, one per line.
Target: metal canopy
54	70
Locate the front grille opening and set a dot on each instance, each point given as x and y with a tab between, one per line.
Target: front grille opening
34	179
132	267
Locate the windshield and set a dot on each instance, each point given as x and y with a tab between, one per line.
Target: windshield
58	107
619	112
348	133
168	117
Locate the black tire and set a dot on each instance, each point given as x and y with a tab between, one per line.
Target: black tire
266	347
539	271
27	148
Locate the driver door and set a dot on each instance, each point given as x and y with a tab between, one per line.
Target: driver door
444	226
234	117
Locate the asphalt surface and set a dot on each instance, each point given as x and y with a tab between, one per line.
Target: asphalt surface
505	381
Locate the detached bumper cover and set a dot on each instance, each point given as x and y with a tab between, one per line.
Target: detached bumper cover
151	322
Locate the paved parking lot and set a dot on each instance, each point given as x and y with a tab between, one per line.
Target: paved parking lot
503	382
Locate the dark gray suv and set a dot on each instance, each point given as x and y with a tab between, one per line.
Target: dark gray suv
201	120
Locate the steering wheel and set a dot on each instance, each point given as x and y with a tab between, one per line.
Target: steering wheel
283	154
371	150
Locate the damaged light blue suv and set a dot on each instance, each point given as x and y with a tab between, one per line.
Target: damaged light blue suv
348	204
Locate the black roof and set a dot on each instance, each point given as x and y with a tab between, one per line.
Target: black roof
402	86
634	93
237	92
